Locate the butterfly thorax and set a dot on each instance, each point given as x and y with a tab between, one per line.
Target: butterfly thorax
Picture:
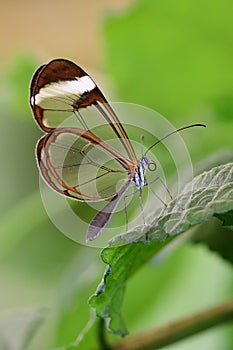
139	179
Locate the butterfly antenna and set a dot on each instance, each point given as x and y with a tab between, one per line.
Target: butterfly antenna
171	133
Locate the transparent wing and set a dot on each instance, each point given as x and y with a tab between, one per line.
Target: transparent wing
77	164
62	89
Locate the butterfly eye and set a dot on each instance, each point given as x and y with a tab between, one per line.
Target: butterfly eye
152	166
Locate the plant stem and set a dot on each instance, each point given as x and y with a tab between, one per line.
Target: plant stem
178	330
102	335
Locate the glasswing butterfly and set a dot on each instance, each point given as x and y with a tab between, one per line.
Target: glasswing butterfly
79	162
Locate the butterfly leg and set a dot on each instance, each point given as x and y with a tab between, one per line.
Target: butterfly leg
125	209
158	178
167	190
126	215
141	206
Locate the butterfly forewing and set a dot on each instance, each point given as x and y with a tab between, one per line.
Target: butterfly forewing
62	89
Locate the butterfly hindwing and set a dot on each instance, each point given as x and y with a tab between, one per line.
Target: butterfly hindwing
79	165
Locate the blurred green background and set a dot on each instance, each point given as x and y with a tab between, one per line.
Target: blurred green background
174	57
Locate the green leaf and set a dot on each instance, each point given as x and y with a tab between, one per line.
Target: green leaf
227	219
208	194
16	330
122	262
216	237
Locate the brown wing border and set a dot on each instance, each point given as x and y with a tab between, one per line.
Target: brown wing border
46	167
